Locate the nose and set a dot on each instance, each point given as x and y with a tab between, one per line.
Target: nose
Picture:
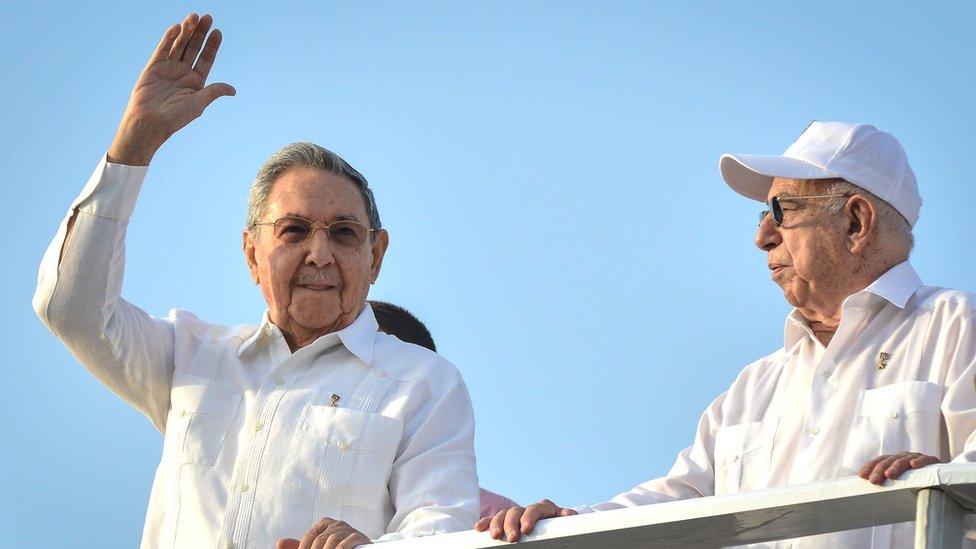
319	249
767	235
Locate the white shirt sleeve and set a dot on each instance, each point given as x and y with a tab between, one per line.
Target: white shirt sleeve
434	482
958	338
78	295
691	476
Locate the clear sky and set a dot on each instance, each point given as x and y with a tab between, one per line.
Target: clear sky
547	172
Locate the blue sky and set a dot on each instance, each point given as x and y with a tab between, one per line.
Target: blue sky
547	172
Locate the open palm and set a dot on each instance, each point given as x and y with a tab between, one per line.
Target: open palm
171	90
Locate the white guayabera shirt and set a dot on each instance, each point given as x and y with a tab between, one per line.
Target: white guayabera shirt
260	443
898	375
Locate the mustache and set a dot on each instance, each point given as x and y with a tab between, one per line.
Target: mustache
312	275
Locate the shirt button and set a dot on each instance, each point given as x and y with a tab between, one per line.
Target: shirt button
258	426
826	373
343	445
383	373
184	412
244	487
894	415
278	381
815	431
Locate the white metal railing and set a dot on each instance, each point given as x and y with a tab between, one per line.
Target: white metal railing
937	497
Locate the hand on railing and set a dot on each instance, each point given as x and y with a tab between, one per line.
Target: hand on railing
517	521
885	467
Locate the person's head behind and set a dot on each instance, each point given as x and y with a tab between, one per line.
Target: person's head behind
399	322
842	201
314	281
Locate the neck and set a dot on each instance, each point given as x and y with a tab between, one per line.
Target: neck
824	316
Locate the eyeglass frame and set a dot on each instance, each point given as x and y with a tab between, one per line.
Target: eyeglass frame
775	203
313	225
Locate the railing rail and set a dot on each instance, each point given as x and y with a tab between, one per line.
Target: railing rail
937	497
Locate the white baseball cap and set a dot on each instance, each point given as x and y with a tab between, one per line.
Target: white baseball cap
858	153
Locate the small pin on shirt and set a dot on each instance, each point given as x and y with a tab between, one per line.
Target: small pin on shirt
882	362
334	401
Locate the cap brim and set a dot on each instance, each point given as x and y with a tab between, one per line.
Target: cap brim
751	175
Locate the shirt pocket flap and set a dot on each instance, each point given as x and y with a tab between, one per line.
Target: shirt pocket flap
735	441
204	398
353	429
902	398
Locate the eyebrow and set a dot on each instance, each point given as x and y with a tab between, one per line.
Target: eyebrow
340	217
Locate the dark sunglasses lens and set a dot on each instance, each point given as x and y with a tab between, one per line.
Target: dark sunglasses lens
777	210
292	229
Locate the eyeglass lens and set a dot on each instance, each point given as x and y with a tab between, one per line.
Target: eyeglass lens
293	230
775	208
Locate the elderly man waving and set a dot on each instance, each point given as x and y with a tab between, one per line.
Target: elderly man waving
311	421
876	374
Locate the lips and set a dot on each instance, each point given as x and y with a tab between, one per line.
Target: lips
776	267
318	286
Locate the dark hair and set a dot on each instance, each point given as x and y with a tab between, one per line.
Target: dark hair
399	322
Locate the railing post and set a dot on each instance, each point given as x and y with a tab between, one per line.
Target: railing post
938	520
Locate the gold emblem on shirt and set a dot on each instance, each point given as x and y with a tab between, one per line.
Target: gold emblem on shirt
334	401
882	362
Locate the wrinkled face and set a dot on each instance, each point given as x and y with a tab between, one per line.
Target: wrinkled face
805	253
316	286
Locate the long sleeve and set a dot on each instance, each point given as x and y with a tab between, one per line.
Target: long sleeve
956	340
434	482
78	295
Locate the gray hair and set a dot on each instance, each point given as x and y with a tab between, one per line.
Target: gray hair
891	223
305	155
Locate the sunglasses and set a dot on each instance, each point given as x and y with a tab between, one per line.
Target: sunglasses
293	229
775	206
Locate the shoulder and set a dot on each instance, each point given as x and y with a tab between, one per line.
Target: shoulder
943	299
190	327
408	362
761	369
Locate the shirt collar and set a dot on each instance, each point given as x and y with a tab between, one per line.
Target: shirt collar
358	337
896	285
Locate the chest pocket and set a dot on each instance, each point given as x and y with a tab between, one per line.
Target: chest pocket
901	417
199	418
341	456
742	456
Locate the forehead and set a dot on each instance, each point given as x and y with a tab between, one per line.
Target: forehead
316	195
791	187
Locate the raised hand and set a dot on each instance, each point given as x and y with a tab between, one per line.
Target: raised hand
170	92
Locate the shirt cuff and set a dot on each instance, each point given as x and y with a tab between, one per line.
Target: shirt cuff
111	190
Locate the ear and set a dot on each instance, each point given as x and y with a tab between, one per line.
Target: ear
252	264
380	243
862	222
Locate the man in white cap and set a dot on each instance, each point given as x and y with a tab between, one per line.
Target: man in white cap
876	375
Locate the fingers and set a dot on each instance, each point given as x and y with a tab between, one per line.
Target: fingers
328	534
515	522
287	543
186	30
536	512
209	54
165	44
496	527
196	39
482	524
209	94
512	523
885	467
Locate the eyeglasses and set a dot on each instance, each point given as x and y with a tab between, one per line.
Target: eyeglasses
775	205
292	229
